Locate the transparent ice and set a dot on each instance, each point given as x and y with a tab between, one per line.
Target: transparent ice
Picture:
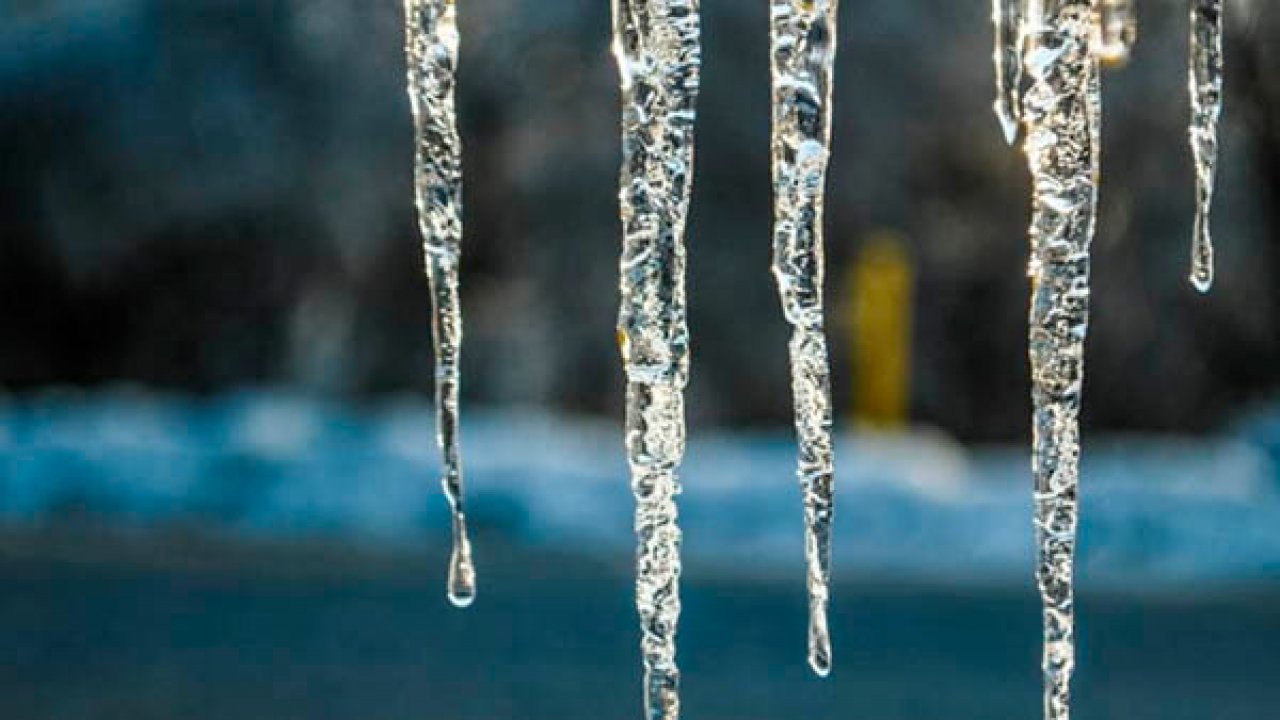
431	47
1117	31
1062	115
657	45
803	58
1006	16
1205	85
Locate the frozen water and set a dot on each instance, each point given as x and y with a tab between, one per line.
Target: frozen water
1007	17
657	45
431	45
1117	31
1062	112
803	59
1205	84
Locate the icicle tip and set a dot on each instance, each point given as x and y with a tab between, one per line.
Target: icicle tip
820	663
1008	125
462	578
819	643
1202	280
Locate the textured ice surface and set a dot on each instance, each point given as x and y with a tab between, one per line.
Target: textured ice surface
431	45
1117	30
1205	84
1062	112
803	58
657	45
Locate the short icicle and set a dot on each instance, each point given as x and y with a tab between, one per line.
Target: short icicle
431	45
1007	19
657	45
1062	114
1205	84
1117	31
803	58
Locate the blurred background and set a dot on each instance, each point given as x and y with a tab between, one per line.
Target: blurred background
218	491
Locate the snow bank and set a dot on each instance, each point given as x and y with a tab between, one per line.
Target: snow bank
1155	510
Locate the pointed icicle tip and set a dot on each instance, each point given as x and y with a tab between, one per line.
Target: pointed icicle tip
820	663
1202	279
462	578
1008	124
819	647
462	598
1202	253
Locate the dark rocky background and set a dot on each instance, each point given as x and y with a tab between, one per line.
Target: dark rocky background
213	193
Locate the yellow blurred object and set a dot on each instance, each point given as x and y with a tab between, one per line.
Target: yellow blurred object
877	315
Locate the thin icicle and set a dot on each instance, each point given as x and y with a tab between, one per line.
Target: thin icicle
1062	111
1007	17
658	50
431	45
1117	31
803	54
1205	84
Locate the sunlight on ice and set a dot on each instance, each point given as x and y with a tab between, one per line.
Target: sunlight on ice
1117	31
1204	83
431	48
803	63
657	45
1062	114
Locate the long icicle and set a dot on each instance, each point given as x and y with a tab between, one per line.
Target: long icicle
658	49
1007	19
1205	85
431	46
803	59
1062	112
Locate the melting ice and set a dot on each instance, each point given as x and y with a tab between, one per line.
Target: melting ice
431	46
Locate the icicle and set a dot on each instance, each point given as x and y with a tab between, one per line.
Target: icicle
1205	85
1117	31
1007	17
1062	112
658	50
431	44
803	63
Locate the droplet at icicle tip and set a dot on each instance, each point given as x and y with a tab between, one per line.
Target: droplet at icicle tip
431	50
